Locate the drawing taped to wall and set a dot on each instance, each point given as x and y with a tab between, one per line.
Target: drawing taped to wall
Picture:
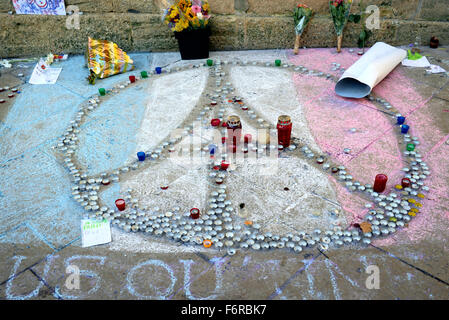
45	7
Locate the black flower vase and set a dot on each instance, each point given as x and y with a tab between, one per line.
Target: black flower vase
193	44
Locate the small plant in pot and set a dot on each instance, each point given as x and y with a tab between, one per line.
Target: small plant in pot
189	20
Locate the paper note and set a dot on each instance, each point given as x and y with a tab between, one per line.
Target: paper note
44	74
94	232
435	69
45	7
369	70
420	63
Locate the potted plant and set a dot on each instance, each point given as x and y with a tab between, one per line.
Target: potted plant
340	14
189	20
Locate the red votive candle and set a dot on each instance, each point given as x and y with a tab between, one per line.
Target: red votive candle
224	165
132	79
247	138
284	127
194	213
120	203
380	182
405	183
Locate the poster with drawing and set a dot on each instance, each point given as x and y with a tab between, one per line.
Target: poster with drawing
45	7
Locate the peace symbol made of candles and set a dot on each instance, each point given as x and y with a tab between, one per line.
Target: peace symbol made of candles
217	227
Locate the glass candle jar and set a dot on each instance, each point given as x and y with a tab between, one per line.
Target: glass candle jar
284	128
234	132
380	182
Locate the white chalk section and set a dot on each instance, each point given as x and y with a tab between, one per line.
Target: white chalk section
369	70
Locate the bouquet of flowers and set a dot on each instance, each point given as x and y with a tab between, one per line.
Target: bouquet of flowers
340	14
187	15
301	15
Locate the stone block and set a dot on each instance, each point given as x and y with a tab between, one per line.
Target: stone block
227	32
221	6
434	10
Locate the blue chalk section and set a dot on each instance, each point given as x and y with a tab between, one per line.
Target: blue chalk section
74	74
110	195
39	114
108	137
35	199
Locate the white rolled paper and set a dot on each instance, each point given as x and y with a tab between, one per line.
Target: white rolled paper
369	70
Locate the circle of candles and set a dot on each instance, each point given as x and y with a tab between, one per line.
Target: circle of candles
120	204
404	128
405	182
141	155
277	63
247	138
194	213
215	122
132	79
102	91
144	74
380	182
400	120
158	70
224	165
210	62
410	147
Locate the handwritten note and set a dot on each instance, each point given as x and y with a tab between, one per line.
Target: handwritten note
44	74
95	232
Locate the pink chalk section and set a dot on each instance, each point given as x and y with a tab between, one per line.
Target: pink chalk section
374	146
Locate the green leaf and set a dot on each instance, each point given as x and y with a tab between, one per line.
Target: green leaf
354	18
362	35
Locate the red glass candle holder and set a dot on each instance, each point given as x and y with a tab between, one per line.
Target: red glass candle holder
234	132
284	127
194	213
132	79
405	182
224	165
380	182
120	203
215	122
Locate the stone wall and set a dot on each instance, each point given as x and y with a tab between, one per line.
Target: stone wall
135	25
